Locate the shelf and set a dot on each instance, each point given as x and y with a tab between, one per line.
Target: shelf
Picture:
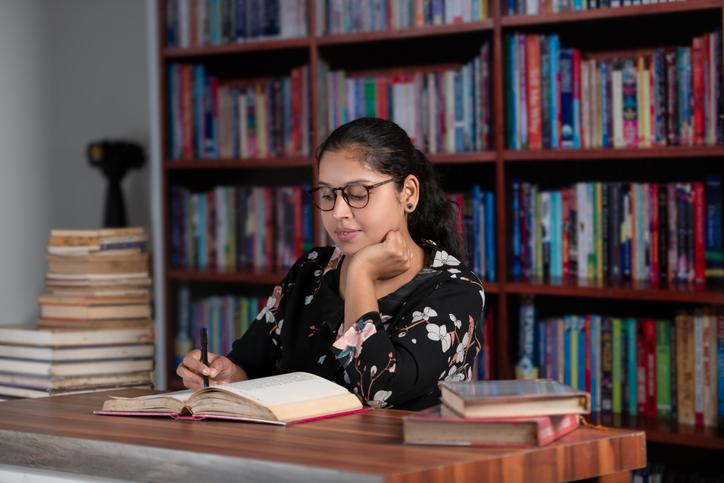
236	48
687	293
392	35
667	432
623	153
463	158
246	277
274	162
609	13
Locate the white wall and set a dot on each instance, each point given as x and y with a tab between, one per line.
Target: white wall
71	72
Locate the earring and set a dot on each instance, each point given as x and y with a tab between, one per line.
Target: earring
410	206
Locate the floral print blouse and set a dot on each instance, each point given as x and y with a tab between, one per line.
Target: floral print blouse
424	332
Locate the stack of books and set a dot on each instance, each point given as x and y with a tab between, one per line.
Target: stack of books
94	330
515	413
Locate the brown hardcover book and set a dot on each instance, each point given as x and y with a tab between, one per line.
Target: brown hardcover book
513	398
281	399
441	425
62	311
94	237
84	353
72	337
52	299
92	323
75	383
98	264
18	391
75	368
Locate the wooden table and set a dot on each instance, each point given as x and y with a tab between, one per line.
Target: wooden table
61	433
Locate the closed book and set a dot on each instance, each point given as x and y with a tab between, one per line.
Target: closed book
54	354
92	323
53	299
440	425
75	368
71	337
62	311
282	399
16	391
98	264
75	383
513	398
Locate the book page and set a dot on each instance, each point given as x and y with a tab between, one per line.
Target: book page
284	389
182	396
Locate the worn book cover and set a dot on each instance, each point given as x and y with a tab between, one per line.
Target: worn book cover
282	399
441	425
537	397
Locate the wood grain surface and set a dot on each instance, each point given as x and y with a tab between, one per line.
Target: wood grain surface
62	433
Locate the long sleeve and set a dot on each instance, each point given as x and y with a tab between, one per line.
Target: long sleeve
432	341
257	351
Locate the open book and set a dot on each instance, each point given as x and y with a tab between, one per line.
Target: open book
282	399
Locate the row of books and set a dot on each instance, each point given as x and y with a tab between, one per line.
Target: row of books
352	16
656	472
225	316
445	110
210	118
534	7
475	220
645	367
197	23
94	330
655	232
558	98
238	227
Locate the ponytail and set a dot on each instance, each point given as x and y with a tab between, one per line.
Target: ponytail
434	217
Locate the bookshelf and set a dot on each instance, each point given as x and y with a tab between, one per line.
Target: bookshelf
435	45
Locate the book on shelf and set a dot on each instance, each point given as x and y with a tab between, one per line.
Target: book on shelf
240	227
196	24
645	232
663	369
564	98
370	16
535	7
92	323
508	398
283	399
440	425
217	118
452	115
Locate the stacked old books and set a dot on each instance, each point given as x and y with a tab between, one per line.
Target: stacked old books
516	413
94	330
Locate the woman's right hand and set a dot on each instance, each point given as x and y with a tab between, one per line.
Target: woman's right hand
220	370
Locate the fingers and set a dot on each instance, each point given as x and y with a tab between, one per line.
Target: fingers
193	362
191	380
217	365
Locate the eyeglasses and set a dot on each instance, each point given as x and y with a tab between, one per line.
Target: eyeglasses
355	195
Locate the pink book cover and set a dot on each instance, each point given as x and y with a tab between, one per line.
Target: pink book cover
546	429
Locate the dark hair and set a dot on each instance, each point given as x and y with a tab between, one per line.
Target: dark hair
385	147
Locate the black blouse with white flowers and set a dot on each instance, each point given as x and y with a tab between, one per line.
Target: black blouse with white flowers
424	332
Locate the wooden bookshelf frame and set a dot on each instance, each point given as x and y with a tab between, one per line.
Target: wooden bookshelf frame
498	157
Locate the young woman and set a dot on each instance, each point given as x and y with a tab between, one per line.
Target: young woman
390	310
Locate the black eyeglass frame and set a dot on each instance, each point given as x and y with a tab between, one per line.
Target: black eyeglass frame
345	196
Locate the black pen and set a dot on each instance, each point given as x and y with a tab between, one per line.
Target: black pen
205	352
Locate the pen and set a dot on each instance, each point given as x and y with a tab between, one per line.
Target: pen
205	352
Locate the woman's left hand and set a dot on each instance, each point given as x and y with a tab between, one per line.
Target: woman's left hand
387	259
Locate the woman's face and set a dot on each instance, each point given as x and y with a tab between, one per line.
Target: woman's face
355	228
